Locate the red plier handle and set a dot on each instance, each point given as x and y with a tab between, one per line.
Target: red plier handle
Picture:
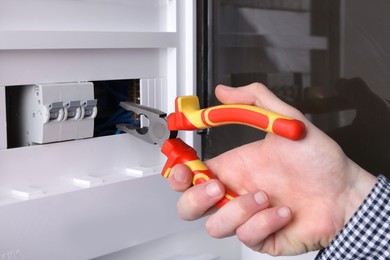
189	116
179	152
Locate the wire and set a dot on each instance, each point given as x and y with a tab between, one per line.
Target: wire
120	117
116	94
107	125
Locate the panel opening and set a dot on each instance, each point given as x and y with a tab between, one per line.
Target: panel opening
109	94
57	112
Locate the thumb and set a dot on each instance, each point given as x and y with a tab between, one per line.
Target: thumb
255	94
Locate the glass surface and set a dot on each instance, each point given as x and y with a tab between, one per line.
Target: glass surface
330	59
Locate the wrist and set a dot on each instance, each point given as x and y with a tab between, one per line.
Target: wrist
360	186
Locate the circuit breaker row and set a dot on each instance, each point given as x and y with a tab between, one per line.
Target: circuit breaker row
56	112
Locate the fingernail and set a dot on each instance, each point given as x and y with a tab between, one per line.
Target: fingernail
213	190
284	212
260	198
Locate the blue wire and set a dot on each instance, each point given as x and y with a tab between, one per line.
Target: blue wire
116	94
117	117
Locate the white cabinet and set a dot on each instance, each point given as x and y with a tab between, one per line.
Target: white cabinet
80	199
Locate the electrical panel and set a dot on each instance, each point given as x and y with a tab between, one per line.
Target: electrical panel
71	186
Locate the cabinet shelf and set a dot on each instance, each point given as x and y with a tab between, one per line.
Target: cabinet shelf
36	40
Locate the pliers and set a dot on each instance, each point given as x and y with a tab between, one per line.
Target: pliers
163	129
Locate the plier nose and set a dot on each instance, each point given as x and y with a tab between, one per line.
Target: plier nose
162	130
156	132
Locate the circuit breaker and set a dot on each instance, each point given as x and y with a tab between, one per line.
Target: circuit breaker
57	112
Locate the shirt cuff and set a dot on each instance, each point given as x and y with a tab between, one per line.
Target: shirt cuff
367	234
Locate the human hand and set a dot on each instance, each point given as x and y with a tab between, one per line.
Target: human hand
295	195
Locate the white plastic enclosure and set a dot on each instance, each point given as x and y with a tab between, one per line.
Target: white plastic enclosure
92	197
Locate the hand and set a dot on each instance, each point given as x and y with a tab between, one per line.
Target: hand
295	195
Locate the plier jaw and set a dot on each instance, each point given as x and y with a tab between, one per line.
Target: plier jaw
156	132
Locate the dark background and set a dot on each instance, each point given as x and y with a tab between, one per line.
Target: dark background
330	59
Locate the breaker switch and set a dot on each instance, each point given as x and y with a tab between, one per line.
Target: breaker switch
73	109
56	112
90	108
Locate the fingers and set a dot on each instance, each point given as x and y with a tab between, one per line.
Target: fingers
257	233
195	200
231	216
251	219
200	198
248	216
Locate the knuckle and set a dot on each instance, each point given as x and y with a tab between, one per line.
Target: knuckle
187	207
257	86
242	211
244	237
192	204
181	213
211	229
250	241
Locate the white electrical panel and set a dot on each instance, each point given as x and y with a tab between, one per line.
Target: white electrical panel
67	192
55	112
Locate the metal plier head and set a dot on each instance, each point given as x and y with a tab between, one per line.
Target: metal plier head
156	132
